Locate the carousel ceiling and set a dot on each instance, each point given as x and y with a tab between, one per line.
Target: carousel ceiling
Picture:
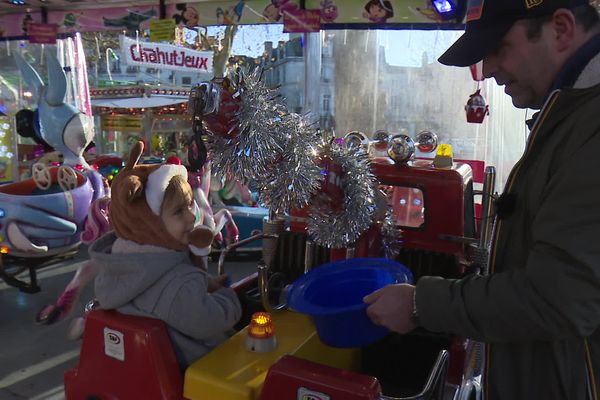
20	6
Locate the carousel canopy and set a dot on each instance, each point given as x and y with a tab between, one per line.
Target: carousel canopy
138	96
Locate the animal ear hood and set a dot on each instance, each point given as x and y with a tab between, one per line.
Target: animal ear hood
157	183
130	215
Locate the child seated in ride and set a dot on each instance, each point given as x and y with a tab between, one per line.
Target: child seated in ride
144	267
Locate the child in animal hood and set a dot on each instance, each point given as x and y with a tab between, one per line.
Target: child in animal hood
144	266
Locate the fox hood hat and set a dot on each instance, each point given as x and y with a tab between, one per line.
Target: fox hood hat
489	20
136	194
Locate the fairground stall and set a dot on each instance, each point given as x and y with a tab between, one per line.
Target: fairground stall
372	163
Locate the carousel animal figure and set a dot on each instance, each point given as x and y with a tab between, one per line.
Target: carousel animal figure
43	216
216	221
229	191
200	179
97	223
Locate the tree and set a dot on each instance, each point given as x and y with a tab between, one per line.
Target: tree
222	50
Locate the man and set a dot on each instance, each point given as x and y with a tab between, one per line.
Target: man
538	310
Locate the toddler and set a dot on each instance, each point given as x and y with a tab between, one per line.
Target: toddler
144	267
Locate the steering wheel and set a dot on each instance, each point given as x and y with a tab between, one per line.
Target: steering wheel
67	178
41	176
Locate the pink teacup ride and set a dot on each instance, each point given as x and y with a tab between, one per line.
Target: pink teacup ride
41	218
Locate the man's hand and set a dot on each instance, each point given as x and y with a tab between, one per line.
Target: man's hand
392	307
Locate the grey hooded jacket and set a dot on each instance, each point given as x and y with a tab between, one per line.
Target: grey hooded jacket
164	284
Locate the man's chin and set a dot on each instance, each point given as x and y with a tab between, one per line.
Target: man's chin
519	101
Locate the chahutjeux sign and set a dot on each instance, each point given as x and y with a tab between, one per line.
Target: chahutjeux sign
165	56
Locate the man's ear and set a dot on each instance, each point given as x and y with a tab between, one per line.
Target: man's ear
565	31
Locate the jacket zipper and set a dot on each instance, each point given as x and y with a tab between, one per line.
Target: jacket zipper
589	369
498	225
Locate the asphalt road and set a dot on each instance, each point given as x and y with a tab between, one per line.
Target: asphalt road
33	358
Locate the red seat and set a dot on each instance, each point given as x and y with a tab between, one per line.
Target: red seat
124	357
292	377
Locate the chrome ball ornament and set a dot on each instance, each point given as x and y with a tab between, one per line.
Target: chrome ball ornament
401	148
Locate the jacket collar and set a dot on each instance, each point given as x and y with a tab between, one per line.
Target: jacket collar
582	67
581	71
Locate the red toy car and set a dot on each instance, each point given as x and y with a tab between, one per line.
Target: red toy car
126	357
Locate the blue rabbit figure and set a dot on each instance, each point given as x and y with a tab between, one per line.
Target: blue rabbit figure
45	215
61	125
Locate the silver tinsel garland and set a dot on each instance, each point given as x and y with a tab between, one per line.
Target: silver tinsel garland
248	154
296	176
336	229
391	236
273	151
278	153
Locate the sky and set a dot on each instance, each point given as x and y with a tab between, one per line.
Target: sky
249	39
404	48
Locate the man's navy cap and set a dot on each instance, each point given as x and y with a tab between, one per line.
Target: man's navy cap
489	20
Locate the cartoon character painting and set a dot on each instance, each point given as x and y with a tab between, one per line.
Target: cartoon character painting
277	9
230	15
70	22
3	168
28	19
187	17
271	13
131	22
329	10
378	11
429	13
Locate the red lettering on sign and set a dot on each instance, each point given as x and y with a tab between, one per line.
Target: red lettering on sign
157	56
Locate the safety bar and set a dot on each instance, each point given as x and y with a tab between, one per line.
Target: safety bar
486	206
434	387
233	246
263	284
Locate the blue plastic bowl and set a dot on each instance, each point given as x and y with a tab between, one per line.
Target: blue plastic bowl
332	295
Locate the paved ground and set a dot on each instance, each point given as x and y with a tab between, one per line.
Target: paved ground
33	358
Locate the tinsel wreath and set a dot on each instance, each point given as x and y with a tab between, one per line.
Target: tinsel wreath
295	177
339	228
274	150
391	236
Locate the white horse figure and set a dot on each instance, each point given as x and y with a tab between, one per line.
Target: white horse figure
201	184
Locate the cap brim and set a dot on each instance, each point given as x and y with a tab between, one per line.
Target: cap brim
474	45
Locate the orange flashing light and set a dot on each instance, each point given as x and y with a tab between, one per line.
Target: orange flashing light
3	250
261	326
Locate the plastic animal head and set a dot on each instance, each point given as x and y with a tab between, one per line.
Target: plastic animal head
62	126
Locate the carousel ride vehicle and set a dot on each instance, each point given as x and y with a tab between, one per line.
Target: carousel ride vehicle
286	349
41	218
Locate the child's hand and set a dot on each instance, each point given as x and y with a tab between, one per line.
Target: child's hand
217	282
